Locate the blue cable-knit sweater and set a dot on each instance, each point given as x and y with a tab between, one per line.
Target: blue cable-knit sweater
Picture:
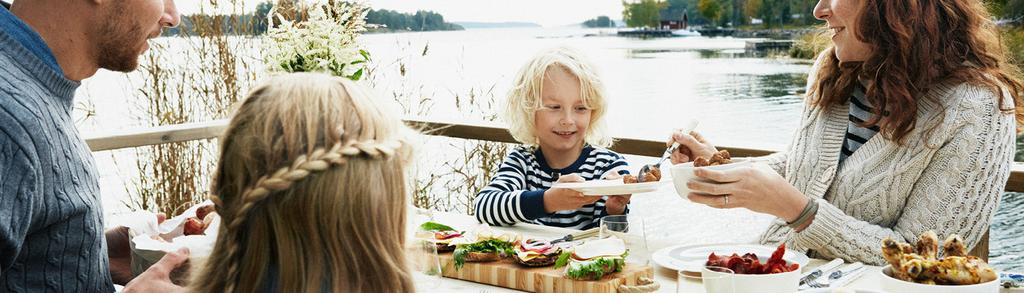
51	218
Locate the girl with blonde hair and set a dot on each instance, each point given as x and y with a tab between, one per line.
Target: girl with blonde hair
311	188
556	108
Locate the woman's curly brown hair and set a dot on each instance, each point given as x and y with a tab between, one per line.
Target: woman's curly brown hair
917	44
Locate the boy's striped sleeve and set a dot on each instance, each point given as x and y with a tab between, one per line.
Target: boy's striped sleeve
505	201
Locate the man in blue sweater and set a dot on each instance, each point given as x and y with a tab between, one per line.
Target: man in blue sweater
51	218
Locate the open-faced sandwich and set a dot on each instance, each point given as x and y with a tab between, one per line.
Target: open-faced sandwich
535	253
594	259
482	246
441	235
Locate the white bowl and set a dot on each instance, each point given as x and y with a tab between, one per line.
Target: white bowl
787	282
683	173
891	284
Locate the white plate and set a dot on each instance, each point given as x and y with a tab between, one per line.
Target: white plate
830	290
612	187
691	258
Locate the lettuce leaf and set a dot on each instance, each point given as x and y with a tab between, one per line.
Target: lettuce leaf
593	269
492	245
431	226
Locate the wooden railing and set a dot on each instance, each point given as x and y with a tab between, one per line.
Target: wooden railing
476	131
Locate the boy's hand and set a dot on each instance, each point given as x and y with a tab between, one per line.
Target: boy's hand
561	199
616	204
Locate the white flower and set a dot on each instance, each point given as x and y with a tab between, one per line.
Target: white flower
322	39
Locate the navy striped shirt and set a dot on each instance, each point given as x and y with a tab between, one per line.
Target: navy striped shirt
856	136
516	193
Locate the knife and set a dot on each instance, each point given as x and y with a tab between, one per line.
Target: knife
577	236
845	271
817	272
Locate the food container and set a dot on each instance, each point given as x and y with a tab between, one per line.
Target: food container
769	283
150	241
891	284
683	173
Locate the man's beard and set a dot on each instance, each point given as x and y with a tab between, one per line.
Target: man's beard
118	50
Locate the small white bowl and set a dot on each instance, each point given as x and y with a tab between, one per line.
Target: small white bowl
891	284
683	173
787	282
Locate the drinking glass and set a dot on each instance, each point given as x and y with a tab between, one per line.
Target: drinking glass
421	253
629	228
425	265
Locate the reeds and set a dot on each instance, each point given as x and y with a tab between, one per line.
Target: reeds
196	78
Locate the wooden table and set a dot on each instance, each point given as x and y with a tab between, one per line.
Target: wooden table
869	280
665	277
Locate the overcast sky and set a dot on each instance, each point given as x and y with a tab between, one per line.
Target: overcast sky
544	12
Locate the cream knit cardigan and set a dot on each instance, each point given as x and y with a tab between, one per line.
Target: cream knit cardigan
948	175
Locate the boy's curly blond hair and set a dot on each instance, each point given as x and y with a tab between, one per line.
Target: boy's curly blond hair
524	99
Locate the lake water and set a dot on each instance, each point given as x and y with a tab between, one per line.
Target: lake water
653	86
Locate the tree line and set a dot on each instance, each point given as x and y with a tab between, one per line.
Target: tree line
255	23
420	21
771	13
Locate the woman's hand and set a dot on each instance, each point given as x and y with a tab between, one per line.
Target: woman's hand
756	187
616	204
691	146
562	199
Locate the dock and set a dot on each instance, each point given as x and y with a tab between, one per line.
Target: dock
765	45
649	33
716	32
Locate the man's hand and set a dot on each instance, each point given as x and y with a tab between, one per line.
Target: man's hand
561	199
158	277
120	252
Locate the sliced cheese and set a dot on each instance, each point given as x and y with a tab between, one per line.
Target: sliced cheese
527	255
611	246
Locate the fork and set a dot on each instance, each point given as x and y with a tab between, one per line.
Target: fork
852	271
668	152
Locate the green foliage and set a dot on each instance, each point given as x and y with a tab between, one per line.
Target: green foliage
421	21
645	13
490	245
563	259
254	23
774	13
600	21
594	269
710	9
432	226
317	38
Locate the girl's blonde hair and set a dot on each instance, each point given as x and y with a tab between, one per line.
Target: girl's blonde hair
310	182
525	97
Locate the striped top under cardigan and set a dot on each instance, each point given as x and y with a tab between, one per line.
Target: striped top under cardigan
856	136
516	193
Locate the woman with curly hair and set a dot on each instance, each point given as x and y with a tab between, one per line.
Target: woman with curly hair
908	126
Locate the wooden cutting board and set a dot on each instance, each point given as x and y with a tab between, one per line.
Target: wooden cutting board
506	273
